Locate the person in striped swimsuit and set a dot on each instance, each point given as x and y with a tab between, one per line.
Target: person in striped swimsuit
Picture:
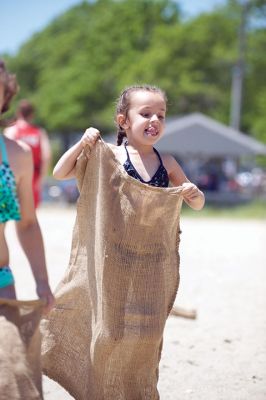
16	203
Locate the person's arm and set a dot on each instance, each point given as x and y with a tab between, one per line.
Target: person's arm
46	153
66	166
28	229
190	192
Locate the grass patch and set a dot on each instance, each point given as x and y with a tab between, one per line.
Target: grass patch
253	210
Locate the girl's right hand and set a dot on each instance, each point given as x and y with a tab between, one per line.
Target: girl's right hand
65	167
89	138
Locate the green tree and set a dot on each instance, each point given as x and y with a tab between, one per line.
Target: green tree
191	61
74	69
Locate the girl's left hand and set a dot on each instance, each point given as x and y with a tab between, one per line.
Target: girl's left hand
189	191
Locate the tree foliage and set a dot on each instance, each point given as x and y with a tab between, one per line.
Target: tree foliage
74	69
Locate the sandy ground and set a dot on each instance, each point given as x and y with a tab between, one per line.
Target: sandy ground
222	354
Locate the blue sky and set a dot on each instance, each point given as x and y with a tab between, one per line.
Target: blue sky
19	19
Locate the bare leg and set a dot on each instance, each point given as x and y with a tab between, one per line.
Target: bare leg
8	292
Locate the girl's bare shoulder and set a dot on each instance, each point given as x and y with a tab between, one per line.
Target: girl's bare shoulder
118	151
112	146
174	170
169	162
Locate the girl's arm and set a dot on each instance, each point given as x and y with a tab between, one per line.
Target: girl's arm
191	193
66	166
28	229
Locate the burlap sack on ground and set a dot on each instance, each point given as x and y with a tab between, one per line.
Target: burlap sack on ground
103	339
20	350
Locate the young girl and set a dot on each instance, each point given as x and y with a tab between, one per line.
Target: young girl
103	339
140	118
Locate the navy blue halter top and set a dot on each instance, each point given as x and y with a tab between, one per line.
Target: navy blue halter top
159	179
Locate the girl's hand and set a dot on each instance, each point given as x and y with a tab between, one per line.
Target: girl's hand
44	292
89	138
190	191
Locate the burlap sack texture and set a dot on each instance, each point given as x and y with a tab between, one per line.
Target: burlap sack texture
20	350
103	339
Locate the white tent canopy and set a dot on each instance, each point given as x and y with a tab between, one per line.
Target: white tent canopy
199	135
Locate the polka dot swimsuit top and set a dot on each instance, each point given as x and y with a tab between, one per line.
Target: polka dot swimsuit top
9	205
159	179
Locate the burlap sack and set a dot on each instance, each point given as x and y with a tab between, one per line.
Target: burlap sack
103	339
20	349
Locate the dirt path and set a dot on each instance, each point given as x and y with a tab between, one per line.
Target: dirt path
222	354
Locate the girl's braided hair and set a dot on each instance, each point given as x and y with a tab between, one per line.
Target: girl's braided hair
10	85
123	105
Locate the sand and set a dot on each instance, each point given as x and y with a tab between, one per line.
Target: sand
221	355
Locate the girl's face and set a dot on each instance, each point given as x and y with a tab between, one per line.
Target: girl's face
146	117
